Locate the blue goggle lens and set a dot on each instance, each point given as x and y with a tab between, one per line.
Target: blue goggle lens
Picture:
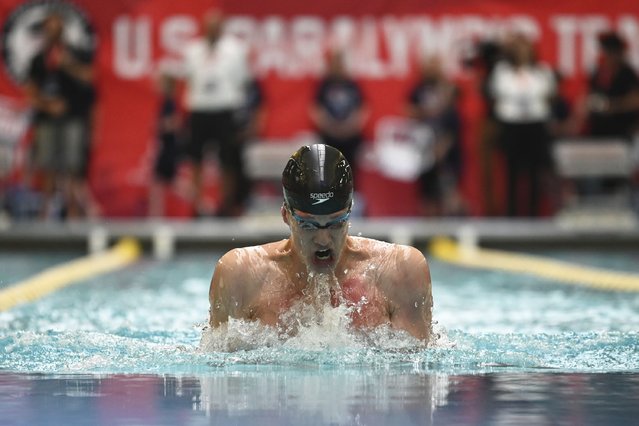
311	225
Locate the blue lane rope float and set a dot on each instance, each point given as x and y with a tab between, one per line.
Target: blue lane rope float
601	279
123	253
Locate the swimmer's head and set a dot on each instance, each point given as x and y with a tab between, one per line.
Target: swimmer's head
318	180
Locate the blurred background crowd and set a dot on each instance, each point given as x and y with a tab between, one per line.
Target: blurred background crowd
497	134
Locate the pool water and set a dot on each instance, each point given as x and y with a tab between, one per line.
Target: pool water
130	347
16	266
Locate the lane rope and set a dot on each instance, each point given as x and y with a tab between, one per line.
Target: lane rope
564	272
121	254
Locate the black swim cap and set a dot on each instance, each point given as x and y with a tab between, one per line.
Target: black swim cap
318	180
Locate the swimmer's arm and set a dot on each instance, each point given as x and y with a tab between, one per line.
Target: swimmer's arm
226	294
218	310
411	299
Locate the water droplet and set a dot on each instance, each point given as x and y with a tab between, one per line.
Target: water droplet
416	304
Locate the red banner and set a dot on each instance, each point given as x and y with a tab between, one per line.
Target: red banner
289	38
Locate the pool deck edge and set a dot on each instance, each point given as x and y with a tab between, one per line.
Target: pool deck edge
255	230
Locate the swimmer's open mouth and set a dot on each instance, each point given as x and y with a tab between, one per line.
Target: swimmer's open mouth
324	255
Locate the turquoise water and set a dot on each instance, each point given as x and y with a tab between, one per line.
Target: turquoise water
19	266
149	318
131	347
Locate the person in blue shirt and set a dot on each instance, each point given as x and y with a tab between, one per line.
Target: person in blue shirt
338	111
432	102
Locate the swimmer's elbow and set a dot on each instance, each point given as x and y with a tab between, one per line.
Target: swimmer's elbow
218	294
421	323
420	328
217	318
218	312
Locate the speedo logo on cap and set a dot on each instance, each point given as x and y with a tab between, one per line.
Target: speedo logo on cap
321	197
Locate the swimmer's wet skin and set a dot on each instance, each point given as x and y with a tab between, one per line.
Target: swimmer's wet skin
320	265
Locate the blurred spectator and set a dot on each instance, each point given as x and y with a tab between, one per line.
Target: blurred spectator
18	199
610	109
217	68
433	103
251	115
338	111
168	133
481	59
613	92
20	202
522	89
60	88
250	119
561	124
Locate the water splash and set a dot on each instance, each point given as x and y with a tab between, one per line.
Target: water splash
259	347
144	321
309	328
320	320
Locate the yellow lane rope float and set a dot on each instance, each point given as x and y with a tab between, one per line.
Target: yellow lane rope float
123	253
447	250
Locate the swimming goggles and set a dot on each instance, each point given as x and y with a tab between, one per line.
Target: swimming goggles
311	225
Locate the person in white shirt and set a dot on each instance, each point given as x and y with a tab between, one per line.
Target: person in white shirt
217	74
522	90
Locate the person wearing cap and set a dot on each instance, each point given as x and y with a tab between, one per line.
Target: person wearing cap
319	265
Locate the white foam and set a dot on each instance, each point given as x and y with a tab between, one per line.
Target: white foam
313	323
306	327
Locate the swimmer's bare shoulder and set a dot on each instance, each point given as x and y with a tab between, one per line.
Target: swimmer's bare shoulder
405	280
237	279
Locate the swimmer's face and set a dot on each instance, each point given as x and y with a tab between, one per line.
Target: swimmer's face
318	238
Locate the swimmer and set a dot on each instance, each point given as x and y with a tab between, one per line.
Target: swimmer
320	264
